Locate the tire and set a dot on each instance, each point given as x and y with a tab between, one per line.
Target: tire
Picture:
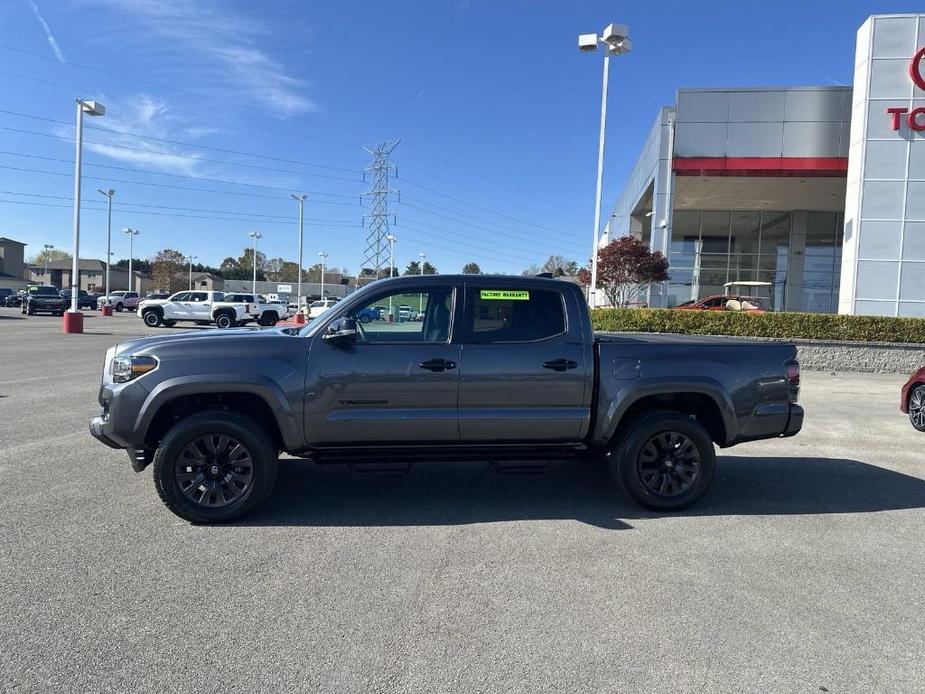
119	307
917	408
224	321
269	319
170	323
29	312
197	493
654	459
152	318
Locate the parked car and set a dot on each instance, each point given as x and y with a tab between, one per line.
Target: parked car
912	399
260	311
84	300
5	293
213	413
316	308
368	315
120	300
195	306
14	300
44	299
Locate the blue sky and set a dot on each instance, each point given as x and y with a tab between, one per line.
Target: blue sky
496	109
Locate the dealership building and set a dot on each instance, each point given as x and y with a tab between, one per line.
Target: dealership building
818	191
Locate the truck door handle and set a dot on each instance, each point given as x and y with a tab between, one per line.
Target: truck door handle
560	364
438	364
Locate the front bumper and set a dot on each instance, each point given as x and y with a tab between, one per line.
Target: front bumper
98	429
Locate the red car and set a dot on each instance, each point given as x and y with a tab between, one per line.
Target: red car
912	399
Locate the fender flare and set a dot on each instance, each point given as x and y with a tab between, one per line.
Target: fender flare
636	391
203	384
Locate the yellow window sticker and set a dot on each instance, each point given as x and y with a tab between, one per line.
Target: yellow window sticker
504	295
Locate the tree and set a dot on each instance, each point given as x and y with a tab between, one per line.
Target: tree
242	268
167	270
626	268
531	271
472	269
142	265
414	268
572	268
556	265
49	255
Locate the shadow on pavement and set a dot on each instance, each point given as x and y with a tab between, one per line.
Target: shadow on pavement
453	494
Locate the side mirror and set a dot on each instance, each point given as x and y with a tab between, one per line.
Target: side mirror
341	331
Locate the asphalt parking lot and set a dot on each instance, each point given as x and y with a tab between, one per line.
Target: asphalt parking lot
803	570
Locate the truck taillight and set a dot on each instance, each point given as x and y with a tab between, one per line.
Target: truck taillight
793	379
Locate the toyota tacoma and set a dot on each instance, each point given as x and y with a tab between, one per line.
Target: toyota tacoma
499	369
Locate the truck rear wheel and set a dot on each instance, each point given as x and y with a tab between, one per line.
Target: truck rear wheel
664	461
215	466
225	320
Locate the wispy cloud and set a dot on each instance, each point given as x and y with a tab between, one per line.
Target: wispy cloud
117	137
227	43
48	35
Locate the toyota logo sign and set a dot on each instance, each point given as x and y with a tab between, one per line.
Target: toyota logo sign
916	68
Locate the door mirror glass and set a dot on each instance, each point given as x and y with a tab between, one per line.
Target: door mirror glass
342	331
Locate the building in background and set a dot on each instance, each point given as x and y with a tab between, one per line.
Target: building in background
12	264
92	276
819	191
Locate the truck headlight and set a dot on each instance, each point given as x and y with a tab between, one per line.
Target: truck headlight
126	368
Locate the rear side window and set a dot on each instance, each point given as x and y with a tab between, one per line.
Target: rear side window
514	315
198	296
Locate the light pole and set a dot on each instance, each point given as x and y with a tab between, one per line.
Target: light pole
421	297
47	248
132	233
107	311
299	317
391	239
73	320
191	258
323	255
616	38
254	235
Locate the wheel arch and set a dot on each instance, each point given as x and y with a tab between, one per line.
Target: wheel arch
254	397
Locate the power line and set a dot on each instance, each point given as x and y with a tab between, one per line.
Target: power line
174	154
192	178
180	142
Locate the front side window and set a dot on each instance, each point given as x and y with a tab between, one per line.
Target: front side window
514	315
182	296
419	316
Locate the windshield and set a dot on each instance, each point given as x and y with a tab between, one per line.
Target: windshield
45	291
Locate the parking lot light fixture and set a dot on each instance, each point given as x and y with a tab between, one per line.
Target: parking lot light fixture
47	248
615	38
299	318
254	235
108	193
73	319
191	258
322	255
132	233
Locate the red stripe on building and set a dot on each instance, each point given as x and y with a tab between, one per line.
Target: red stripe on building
760	166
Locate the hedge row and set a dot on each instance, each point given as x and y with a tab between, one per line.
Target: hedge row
811	326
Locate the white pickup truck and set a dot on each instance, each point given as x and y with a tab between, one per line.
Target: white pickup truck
198	307
264	312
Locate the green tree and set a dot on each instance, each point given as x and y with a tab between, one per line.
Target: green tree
472	269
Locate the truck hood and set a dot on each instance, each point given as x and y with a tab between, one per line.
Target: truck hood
200	341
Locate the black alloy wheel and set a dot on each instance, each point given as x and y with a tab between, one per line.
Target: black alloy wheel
214	470
917	408
668	464
151	318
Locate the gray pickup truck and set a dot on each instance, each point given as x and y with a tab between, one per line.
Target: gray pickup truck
504	369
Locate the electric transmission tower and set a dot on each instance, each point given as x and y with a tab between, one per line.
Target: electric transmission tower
376	254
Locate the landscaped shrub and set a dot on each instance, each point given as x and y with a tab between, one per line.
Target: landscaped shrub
812	326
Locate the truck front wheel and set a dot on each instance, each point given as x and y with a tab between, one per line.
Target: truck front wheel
215	466
152	318
664	461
